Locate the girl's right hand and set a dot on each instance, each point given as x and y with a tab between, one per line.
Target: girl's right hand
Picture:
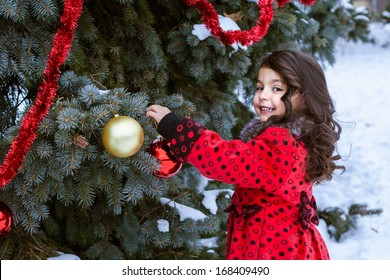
157	112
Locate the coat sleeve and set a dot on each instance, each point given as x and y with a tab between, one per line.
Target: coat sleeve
264	162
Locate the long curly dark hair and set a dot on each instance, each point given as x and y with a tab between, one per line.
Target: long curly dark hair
303	74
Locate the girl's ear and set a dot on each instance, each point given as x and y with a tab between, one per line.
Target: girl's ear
296	92
297	100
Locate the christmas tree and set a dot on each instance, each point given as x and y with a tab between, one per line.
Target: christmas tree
71	194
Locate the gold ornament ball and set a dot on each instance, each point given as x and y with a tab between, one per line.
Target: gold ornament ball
122	136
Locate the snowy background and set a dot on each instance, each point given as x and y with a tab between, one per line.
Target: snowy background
359	83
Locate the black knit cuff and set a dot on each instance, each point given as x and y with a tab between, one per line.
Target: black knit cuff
184	137
167	125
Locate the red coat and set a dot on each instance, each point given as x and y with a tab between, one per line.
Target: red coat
272	213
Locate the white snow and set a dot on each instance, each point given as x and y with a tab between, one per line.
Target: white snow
209	242
200	30
209	200
304	21
362	18
163	225
62	256
184	211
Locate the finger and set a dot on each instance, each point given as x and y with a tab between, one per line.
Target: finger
151	114
154	108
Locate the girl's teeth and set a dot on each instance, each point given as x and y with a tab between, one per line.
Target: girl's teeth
266	109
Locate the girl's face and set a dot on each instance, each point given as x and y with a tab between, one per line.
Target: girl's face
269	90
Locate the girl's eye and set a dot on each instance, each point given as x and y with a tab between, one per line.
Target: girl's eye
259	88
278	89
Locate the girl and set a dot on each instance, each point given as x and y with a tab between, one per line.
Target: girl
275	163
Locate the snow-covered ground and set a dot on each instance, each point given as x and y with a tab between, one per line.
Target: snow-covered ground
359	82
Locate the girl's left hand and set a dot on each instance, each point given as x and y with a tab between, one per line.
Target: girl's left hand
157	112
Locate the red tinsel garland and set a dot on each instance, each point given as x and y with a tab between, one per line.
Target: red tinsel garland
245	38
30	123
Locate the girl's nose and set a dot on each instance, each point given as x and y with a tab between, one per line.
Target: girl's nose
264	95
